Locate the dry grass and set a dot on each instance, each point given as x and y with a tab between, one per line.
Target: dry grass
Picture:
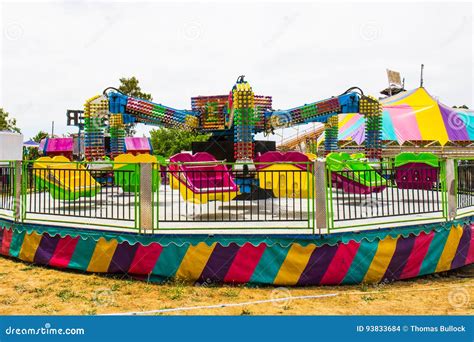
27	289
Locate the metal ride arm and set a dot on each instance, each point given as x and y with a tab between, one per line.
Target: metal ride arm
249	114
326	111
120	110
319	111
150	113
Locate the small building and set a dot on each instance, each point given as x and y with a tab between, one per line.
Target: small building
11	146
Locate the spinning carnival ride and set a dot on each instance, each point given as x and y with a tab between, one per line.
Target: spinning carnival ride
236	117
422	202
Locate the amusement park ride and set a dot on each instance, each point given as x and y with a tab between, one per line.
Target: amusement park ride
235	117
252	220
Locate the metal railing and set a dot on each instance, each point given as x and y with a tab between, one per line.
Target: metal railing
385	194
465	184
190	193
7	186
70	193
309	198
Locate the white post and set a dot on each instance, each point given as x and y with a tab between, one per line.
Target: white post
146	193
17	195
320	195
451	188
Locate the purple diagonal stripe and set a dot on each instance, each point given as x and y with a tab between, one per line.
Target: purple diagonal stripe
1	236
123	257
317	265
46	249
399	258
219	263
463	248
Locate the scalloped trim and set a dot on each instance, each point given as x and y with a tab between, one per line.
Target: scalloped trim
225	240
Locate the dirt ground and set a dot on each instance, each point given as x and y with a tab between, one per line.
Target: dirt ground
32	290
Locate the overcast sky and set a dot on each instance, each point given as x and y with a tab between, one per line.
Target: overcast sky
55	55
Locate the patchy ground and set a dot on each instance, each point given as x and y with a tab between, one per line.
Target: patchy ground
26	289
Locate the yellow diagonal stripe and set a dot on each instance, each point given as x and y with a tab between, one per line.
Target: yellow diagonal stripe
345	119
103	253
294	264
428	115
29	247
381	260
194	261
449	250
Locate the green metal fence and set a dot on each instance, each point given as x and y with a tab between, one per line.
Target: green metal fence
280	199
379	196
115	195
100	194
464	182
8	205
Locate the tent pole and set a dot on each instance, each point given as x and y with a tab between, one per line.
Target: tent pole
421	76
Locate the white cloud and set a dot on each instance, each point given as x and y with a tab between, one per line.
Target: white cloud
55	55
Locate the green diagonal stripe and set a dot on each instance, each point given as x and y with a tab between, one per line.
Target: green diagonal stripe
269	264
434	252
361	263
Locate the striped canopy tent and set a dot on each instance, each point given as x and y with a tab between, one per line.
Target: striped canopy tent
412	115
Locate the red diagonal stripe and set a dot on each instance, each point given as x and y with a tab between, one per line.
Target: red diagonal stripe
244	263
340	263
7	239
145	259
417	255
63	252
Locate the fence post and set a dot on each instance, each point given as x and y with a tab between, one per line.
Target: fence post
320	195
145	198
451	189
17	210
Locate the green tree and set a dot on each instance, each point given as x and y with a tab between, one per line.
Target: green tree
33	153
6	123
169	141
129	86
40	136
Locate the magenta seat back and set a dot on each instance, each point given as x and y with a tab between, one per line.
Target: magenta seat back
211	175
282	157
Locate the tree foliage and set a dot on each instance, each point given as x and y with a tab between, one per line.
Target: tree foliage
6	123
129	86
40	136
169	141
462	107
32	153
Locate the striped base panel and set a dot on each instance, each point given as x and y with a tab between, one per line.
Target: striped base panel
347	258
